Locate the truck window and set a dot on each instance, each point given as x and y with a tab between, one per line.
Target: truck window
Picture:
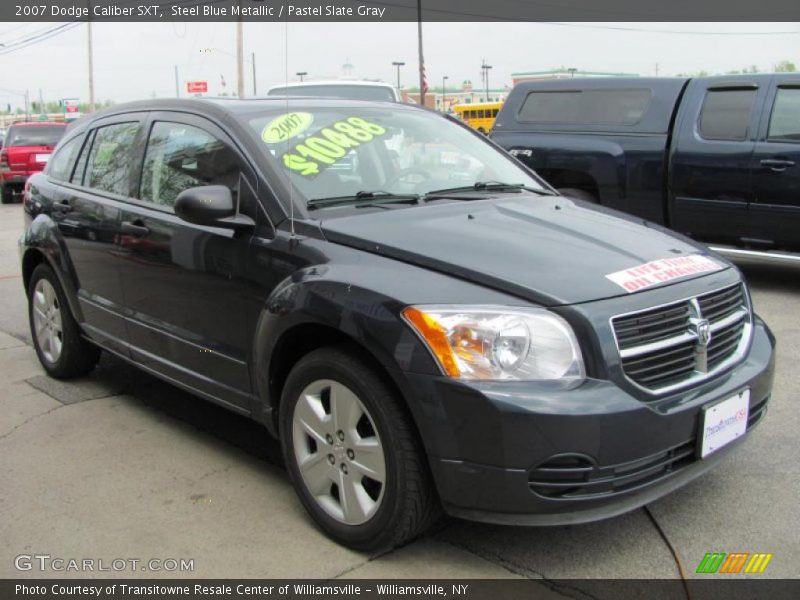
726	114
784	125
599	107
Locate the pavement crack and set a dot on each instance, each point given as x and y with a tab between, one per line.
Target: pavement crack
29	420
672	550
524	571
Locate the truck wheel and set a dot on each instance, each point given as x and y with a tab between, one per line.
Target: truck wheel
352	453
8	195
56	336
578	194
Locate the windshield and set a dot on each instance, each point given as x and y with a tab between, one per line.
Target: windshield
35	135
336	152
380	93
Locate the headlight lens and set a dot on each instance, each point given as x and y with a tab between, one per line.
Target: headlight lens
498	343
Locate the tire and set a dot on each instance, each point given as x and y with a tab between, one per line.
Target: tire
8	195
382	514
578	194
61	349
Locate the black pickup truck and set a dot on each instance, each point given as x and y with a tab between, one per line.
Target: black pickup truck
716	158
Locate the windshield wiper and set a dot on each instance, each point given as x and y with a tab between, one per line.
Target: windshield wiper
363	198
488	186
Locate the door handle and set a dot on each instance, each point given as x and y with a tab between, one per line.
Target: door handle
63	206
136	228
777	164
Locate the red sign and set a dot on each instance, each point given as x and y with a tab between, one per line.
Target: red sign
72	108
197	87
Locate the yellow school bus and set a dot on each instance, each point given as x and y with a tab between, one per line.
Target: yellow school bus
479	115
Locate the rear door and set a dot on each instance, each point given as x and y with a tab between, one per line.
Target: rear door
183	283
775	210
87	212
714	140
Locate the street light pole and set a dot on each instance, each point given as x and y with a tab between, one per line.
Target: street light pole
398	64
485	69
422	82
301	74
444	78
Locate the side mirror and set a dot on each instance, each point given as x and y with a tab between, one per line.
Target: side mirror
211	205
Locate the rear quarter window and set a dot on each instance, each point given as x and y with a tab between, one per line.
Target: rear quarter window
60	166
590	107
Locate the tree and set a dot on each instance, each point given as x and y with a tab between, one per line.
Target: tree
785	66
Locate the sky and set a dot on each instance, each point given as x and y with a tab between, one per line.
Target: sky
137	60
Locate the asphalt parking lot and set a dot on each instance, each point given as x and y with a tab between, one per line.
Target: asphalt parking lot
120	464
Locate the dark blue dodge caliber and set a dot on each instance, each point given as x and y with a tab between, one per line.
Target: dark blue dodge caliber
425	324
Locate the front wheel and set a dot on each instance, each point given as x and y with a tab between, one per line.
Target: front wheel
352	453
56	337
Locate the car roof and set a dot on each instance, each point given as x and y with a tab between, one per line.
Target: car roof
351	82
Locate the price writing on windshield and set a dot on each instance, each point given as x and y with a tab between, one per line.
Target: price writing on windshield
329	144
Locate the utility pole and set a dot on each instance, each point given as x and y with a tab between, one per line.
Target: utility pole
90	45
422	79
27	105
444	79
177	83
255	85
240	56
656	69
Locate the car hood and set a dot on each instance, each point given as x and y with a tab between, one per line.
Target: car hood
552	251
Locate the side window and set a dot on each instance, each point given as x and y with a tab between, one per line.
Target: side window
60	166
80	168
595	107
726	114
108	165
784	124
180	157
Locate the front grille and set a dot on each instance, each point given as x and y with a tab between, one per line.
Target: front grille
661	349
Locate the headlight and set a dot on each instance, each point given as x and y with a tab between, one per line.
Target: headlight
497	342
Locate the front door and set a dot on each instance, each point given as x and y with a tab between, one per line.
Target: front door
183	283
775	210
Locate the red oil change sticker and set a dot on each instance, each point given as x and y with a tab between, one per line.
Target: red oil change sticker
660	271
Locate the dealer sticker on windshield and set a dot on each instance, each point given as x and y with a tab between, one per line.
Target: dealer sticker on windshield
660	271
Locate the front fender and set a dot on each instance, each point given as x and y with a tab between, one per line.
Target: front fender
322	300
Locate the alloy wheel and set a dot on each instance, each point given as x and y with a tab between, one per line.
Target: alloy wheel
47	320
339	452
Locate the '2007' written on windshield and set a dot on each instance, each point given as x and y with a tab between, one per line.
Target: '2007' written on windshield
330	144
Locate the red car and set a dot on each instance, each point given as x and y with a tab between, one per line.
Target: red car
27	149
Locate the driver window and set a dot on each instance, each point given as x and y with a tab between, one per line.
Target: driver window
180	157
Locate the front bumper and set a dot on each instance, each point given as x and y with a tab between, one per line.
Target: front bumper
497	448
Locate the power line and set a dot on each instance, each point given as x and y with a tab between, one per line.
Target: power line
37	38
505	18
